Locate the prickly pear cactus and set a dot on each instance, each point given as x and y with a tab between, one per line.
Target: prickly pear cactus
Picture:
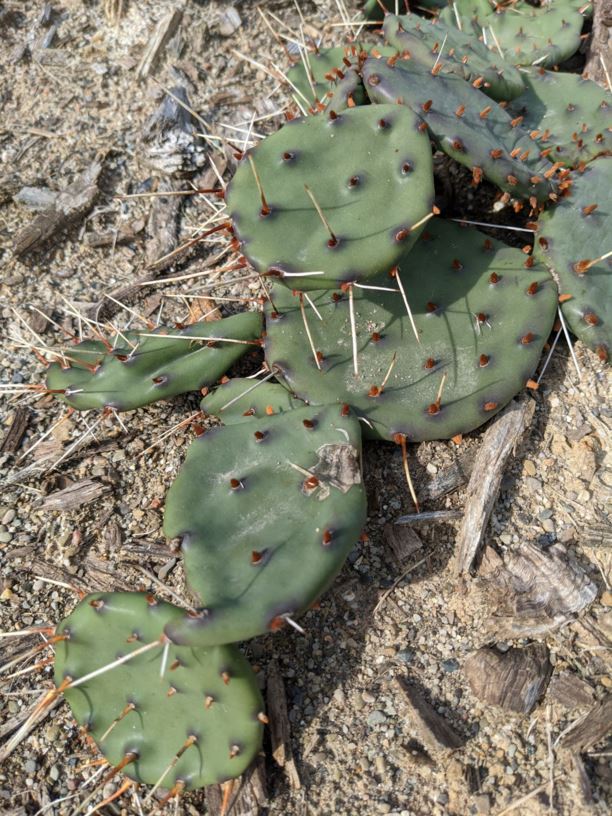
468	126
176	717
482	312
239	399
543	36
268	511
574	242
342	195
434	43
133	370
572	114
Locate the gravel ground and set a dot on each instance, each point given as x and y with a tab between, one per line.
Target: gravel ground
356	750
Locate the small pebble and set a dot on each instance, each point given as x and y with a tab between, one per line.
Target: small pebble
5	538
30	766
450	665
376	718
8	516
529	467
606	598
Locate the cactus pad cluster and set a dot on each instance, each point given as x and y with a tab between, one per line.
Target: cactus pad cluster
384	319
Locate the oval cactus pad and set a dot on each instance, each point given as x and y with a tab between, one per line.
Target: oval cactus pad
482	320
335	197
170	716
574	242
268	510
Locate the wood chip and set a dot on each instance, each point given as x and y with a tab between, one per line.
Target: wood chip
164	31
532	592
162	227
514	680
402	541
447	480
72	203
591	728
75	495
123	235
248	797
14	435
498	443
432	729
280	731
98	575
569	690
599	56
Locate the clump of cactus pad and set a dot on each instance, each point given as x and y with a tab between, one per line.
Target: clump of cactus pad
385	318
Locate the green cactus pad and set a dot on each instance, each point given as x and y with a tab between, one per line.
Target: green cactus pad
370	171
482	319
468	126
460	53
140	370
210	694
239	399
259	539
372	9
542	36
573	114
574	234
328	79
466	14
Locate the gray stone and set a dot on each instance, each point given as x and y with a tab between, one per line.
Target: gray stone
376	718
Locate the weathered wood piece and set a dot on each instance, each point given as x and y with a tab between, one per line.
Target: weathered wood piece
75	495
402	541
175	148
110	238
569	690
14	435
591	728
600	47
248	795
72	203
497	444
98	575
446	481
429	517
533	592
514	680
432	729
162	225
164	31
280	731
